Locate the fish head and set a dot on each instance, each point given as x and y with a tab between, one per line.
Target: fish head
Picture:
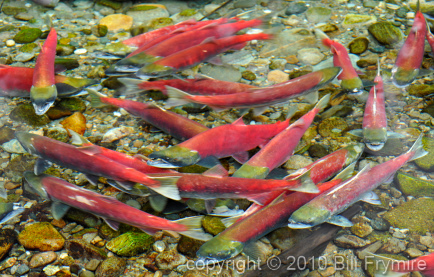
42	98
218	249
35	183
26	140
375	138
403	77
308	216
153	70
354	152
353	86
175	156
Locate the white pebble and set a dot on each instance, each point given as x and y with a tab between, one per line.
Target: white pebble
10	43
80	51
28	5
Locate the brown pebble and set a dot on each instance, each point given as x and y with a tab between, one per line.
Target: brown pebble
138	143
292	59
58	223
42	259
277	76
92	264
10	185
75	122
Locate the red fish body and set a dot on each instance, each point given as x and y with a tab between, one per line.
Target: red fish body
259	98
110	209
196	54
410	55
171	123
70	156
349	77
43	91
222	141
198	86
423	264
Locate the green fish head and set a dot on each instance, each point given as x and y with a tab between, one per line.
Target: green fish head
375	138
35	183
354	152
153	70
175	156
308	216
403	77
353	86
218	249
42	98
26	140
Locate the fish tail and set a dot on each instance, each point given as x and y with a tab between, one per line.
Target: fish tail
322	103
194	226
417	149
306	183
167	187
132	86
418	6
177	97
346	173
230	220
95	98
323	37
383	266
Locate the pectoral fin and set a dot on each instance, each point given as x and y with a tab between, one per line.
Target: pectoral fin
371	198
58	209
340	221
41	166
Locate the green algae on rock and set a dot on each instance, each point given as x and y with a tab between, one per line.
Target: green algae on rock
352	20
27	35
7	239
111	4
370	264
82	218
358	45
188	12
420	90
386	33
6	134
57	133
41	236
392	147
111	267
213	225
413	186
318	14
72	104
427	162
332	127
130	244
26	113
160	22
99	30
18	165
79	248
415	215
361	229
248	75
106	232
28	48
189	246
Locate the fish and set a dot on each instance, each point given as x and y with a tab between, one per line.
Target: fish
196	54
9	211
430	39
374	132
410	56
327	206
43	92
222	141
180	41
258	99
350	80
281	147
241	235
387	267
169	122
65	195
198	86
17	81
69	156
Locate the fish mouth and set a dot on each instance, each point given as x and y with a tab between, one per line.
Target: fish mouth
375	146
355	92
42	108
161	164
297	225
204	261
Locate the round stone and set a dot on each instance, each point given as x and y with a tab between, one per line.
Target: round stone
116	22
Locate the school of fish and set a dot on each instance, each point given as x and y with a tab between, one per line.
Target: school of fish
303	199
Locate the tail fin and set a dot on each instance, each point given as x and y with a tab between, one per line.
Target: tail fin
177	97
95	98
322	103
323	37
417	149
131	86
167	187
194	226
306	183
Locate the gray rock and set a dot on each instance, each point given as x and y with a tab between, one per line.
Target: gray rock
296	8
24	57
310	56
223	73
42	259
244	4
349	241
428	241
241	58
145	16
297	162
111	267
13	146
393	246
83	5
63	7
168	260
318	14
22	269
369	4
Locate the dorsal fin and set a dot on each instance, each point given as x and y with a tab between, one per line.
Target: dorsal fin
4	66
216	171
239	121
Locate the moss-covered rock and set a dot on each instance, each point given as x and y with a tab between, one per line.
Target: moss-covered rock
7	239
189	246
41	236
72	104
106	232
100	30
9	10
392	147
358	45
6	134
79	248
213	225
28	48
416	187
26	113
57	133
80	234
420	90
27	35
160	22
64	50
386	33
18	165
67	63
332	127
370	267
111	4
415	215
248	75
82	218
427	162
111	267
130	244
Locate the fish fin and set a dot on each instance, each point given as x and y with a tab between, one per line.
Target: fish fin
149	231
241	157
306	183
65	89
113	224
242	112
90	149
224	211
12	214
95	98
323	102
41	166
227	222
239	122
357	133
194	225
93	179
260	199
131	86
346	173
106	56
394	135
209	205
158	202
259	110
176	97
292	109
389	180
417	148
58	209
209	162
340	221
167	187
202	76
217	171
215	60
4	66
382	266
77	139
371	198
323	37
255	252
312	97
141	158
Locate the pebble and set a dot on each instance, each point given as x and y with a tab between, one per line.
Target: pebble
13	146
159	246
112	266
51	270
42	259
277	76
394	246
296	8
24	57
318	14
10	43
116	22
349	241
22	269
80	51
428	241
41	236
311	56
117	133
413	252
168	260
297	162
92	264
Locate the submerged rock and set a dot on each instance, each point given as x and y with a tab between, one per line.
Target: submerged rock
189	246
318	14
79	248
111	267
42	259
358	45
130	244
117	22
168	260
427	162
332	127
420	90
6	134
26	113
75	122
353	20
27	35
213	225
386	33
7	239
413	186
41	236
